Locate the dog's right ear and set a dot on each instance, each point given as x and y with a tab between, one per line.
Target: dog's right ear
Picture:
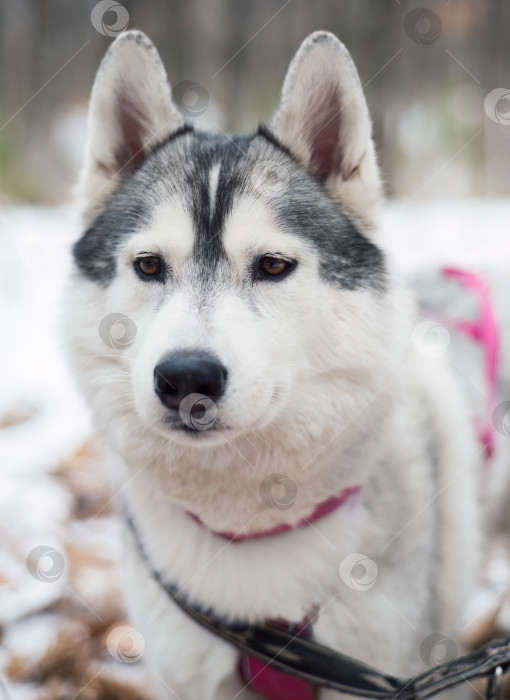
130	110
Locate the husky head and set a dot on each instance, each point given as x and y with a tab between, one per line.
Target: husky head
228	285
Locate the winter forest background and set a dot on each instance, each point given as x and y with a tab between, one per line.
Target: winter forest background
426	78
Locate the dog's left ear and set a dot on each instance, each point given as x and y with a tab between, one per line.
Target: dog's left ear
323	119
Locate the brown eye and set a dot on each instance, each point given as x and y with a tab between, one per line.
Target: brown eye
272	266
150	266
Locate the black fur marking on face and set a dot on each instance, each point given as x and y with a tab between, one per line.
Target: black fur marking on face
347	258
127	212
94	253
304	207
179	169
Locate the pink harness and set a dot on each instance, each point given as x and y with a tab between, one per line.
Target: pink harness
273	684
485	331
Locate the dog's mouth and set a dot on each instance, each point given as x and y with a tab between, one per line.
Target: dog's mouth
196	428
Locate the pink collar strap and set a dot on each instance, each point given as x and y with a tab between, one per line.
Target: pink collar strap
320	511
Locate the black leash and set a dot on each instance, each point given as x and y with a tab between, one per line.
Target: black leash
313	662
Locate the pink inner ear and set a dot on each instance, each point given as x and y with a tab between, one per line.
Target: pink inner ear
131	152
324	139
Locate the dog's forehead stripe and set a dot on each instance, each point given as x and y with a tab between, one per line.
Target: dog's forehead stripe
214	174
208	174
209	214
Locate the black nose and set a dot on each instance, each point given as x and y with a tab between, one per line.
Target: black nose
183	373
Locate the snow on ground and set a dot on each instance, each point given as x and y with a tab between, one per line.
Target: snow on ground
50	494
58	536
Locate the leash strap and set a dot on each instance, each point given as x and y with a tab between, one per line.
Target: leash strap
319	665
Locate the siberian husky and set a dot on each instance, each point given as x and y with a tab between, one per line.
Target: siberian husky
281	445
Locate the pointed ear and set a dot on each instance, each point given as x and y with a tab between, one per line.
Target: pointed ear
130	110
323	119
